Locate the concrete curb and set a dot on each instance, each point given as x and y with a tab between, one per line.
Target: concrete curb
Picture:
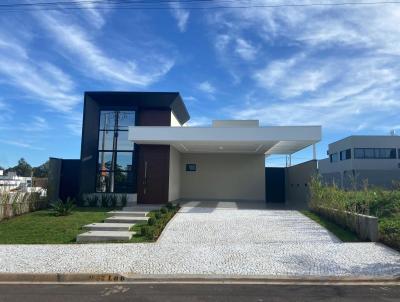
182	278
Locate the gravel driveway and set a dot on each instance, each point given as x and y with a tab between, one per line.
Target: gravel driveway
223	241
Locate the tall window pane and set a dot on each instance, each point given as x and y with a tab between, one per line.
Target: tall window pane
115	172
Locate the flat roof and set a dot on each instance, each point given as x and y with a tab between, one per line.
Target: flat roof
251	140
156	100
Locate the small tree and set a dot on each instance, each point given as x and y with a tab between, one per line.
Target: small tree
22	168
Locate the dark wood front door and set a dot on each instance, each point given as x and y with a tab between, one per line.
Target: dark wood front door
153	174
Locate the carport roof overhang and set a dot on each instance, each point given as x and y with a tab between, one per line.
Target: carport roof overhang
252	140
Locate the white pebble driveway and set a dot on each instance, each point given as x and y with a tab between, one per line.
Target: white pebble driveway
217	241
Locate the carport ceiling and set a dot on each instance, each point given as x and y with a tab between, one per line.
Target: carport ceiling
260	140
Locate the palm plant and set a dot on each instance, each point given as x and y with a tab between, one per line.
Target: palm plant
63	208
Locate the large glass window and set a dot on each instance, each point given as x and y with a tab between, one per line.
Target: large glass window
375	153
115	172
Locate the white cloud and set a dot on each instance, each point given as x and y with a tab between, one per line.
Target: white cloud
39	80
35	124
245	50
365	97
335	66
190	98
95	17
206	87
74	123
181	15
294	76
21	144
94	62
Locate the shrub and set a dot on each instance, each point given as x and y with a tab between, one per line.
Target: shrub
63	208
113	201
169	205
147	231
389	232
151	221
105	200
93	201
157	215
163	210
124	200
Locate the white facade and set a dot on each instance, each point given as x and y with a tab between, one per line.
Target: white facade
373	159
12	182
228	158
251	140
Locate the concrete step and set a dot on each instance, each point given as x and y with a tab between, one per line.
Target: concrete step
125	219
141	208
108	226
101	236
128	213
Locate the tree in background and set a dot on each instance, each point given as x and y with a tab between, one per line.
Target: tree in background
22	168
42	170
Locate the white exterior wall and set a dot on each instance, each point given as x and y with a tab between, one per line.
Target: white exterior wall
174	174
223	177
379	172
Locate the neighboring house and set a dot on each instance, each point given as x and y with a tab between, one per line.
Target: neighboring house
135	143
12	182
357	160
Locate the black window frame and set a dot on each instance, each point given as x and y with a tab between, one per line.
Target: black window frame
131	173
334	157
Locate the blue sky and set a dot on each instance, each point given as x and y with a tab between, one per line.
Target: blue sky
338	67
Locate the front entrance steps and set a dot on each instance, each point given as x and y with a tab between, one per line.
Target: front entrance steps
101	236
116	227
126	219
128	213
108	227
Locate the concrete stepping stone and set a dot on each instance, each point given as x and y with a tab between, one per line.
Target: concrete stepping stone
125	219
128	213
101	236
108	226
142	208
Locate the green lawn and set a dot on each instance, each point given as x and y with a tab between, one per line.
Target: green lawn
43	227
338	231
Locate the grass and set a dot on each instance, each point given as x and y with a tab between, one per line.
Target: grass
43	227
341	233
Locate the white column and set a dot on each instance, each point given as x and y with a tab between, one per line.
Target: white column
314	151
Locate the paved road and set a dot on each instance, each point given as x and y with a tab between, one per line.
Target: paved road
191	293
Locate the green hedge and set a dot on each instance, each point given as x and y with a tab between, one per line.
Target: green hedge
157	221
379	202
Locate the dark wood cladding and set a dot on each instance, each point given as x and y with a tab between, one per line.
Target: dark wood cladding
153	181
153	117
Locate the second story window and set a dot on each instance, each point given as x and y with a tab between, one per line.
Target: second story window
375	153
345	154
333	157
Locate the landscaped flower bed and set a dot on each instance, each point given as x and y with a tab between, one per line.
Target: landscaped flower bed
156	224
384	204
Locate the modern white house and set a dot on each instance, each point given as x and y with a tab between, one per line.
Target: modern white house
225	161
358	160
136	143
